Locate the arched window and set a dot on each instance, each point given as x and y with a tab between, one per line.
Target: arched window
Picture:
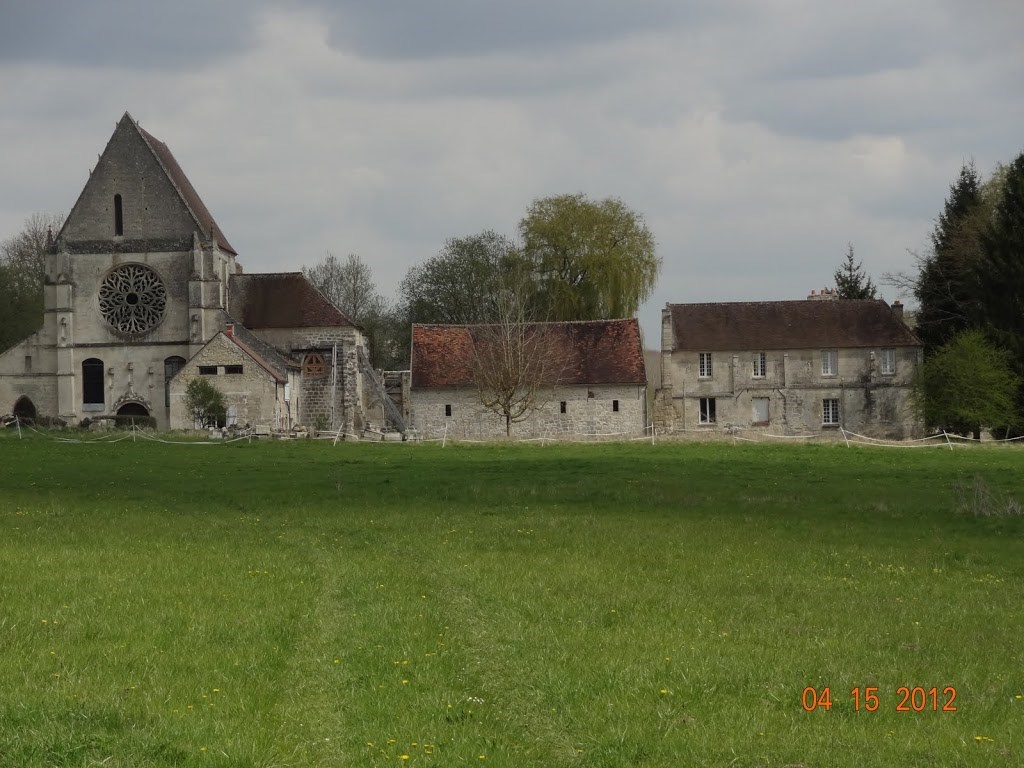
118	216
171	366
92	384
313	365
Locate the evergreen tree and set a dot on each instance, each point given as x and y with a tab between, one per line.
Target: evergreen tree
947	288
851	282
1000	271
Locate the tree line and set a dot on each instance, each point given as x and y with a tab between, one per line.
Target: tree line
575	259
969	286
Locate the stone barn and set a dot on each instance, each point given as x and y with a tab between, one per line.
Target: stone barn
597	386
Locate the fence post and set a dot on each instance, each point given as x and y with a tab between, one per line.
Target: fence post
444	437
948	441
843	431
17	421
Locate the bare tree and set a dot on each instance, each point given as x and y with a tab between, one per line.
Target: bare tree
349	285
516	362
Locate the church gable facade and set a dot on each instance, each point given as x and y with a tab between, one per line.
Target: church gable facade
139	281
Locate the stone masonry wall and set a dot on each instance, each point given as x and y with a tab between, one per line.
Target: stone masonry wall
870	402
585	415
254	397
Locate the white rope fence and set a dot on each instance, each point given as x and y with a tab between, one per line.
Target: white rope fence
736	434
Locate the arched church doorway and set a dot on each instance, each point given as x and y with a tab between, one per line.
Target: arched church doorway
25	409
132	409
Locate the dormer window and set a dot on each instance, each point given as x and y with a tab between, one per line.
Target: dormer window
118	217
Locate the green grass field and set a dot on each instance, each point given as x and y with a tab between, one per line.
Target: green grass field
303	604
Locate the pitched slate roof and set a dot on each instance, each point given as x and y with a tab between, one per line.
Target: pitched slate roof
281	300
188	193
264	354
593	351
808	324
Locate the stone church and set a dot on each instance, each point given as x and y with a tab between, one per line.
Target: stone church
144	292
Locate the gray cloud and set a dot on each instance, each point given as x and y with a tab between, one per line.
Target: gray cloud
123	33
757	139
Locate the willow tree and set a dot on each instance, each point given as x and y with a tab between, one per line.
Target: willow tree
592	260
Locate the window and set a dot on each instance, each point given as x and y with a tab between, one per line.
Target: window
759	411
118	216
28	363
707	410
207	370
232	369
92	384
561	407
448	410
615	406
760	364
830	412
705	365
313	366
888	361
828	362
171	366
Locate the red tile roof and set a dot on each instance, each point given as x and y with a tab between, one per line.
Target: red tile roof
807	324
593	351
281	300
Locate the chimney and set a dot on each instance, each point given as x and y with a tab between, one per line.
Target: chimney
897	308
229	330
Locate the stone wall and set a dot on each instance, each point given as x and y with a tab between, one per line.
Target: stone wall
589	411
321	402
151	207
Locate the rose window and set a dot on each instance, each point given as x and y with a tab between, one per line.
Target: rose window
133	298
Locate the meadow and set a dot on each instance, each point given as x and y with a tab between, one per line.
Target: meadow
303	604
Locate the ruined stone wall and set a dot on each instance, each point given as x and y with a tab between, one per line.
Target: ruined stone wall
337	406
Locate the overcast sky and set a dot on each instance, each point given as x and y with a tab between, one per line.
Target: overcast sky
756	137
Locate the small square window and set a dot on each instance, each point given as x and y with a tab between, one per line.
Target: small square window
615	406
828	362
760	365
207	370
448	410
830	412
705	365
707	410
561	407
888	366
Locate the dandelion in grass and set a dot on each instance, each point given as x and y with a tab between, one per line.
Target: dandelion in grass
982	738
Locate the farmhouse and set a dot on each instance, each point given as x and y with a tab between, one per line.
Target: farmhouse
143	292
595	382
790	367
